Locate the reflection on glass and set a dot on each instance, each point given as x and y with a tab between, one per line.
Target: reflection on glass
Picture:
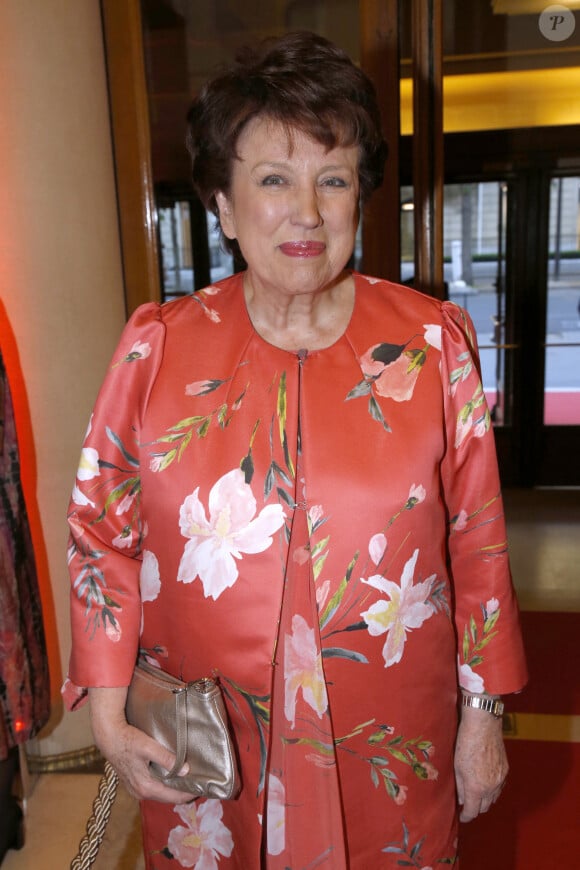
562	370
474	240
474	247
175	247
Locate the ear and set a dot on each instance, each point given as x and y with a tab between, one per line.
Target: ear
226	214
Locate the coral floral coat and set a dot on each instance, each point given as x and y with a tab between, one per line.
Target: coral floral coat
324	532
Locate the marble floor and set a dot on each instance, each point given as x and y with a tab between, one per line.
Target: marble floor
544	535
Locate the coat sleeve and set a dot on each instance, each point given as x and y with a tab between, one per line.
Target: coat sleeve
106	526
490	649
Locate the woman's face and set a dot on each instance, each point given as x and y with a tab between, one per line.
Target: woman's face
293	207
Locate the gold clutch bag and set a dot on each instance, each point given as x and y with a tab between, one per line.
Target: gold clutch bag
190	719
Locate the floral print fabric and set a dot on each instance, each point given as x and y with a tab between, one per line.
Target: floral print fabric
24	677
324	532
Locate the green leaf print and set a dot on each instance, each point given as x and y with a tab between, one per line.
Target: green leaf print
112	436
473	641
129	487
259	707
363	388
334	602
418	359
281	407
377	414
338	653
412	854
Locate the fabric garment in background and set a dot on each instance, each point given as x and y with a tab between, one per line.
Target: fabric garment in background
325	532
24	680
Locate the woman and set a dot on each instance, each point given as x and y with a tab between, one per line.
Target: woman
298	492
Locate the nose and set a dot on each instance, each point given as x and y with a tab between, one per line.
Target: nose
306	210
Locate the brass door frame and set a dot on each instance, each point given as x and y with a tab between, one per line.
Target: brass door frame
123	40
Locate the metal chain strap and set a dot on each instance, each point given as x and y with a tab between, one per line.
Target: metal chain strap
97	823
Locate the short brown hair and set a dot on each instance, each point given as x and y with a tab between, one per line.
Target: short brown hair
304	82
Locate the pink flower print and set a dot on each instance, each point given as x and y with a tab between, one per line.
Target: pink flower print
461	521
322	594
401	795
416	495
315	515
149	578
80	498
202	388
431	770
72	694
112	629
303	670
140	350
480	428
158	462
377	547
473	419
198	388
469	680
276	812
405	608
301	555
232	529
433	334
398	379
124	539
202	838
491	606
125	504
89	464
370	366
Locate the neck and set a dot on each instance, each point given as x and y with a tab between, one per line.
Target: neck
310	321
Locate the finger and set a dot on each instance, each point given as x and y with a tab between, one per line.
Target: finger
163	793
470	809
151	751
460	789
146	786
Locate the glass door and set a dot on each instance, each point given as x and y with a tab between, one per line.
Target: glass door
562	343
558	459
512	260
474	242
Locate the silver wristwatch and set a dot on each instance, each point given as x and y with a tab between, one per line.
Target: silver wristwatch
482	702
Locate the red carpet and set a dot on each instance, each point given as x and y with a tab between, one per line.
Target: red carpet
551	642
536	824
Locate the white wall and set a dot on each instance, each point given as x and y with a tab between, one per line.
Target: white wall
60	274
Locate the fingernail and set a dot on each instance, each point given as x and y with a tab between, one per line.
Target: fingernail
184	770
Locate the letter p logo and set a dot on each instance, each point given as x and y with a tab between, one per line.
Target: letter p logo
557	23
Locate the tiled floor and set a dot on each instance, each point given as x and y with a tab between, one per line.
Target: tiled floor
544	534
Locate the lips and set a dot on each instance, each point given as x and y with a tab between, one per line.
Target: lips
302	249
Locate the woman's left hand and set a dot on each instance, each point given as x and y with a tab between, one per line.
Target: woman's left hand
481	765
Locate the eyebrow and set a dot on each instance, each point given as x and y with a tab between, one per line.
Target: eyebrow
331	167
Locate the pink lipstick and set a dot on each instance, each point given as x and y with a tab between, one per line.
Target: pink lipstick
302	249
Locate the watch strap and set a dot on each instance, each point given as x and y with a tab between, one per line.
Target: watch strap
495	706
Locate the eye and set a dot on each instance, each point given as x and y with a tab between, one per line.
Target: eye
334	181
272	181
